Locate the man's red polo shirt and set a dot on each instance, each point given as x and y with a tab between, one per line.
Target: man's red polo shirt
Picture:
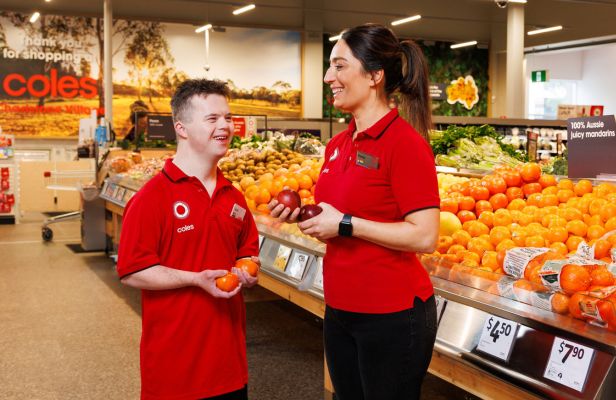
385	174
192	345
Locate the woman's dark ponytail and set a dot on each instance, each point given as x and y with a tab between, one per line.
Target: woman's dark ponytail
414	88
405	67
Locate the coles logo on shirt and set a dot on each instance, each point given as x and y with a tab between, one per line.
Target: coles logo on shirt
181	210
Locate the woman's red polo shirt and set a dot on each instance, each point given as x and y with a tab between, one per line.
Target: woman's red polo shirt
192	345
386	173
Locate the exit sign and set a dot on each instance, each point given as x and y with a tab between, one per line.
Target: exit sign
539	76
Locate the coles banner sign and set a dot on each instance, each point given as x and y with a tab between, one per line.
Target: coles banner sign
51	70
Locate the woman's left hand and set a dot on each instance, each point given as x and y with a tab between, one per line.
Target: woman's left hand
325	225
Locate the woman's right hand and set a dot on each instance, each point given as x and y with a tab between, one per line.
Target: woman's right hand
283	213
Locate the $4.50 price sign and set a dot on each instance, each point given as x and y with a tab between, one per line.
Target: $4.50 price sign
569	363
497	337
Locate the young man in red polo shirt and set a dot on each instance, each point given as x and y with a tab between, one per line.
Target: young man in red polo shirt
186	227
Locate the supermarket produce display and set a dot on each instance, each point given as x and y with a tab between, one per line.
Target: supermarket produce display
525	266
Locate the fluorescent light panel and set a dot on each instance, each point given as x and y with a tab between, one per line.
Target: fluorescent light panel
518	1
203	28
244	9
405	20
35	17
465	44
334	38
544	30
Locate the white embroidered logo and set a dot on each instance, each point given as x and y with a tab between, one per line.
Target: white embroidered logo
334	156
186	228
181	210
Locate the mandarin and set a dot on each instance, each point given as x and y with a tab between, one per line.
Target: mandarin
574	278
530	172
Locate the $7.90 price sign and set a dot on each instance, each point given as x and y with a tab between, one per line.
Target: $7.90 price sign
497	337
569	363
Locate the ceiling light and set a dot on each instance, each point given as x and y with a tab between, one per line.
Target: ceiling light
47	1
203	28
518	1
35	17
465	44
335	38
544	30
405	20
244	9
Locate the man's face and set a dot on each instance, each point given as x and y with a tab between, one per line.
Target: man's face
208	126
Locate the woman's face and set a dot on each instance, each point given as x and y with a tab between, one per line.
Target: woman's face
350	84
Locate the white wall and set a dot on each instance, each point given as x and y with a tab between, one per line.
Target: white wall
598	85
561	65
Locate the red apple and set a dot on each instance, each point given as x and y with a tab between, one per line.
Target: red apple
290	199
308	211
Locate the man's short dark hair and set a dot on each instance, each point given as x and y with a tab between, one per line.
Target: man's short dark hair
180	102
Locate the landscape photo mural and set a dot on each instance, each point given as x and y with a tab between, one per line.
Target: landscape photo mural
51	71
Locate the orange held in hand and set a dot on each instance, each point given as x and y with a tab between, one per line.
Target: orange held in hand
228	283
247	265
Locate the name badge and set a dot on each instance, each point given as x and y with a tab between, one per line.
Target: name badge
367	161
238	212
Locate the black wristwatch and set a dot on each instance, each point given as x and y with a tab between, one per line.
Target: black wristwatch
345	227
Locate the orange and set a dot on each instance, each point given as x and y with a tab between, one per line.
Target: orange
498	234
534	241
547	180
263	209
574	278
595	232
466	203
502	219
487	217
251	192
479	192
516	204
263	196
559	248
592	220
565	184
531	188
550	190
294	167
461	237
514	192
450	205
444	243
476	228
557	234
251	204
276	187
602	277
495	184
512	178
608	211
292	184
455	248
305	182
602	248
596	205
535	228
530	172
548	200
489	260
570	214
582	187
560	303
280	172
612	239
519	237
479	246
469	255
505	245
304	193
551	220
564	195
573	242
465	215
499	200
577	228
482	206
534	199
610	224
268	176
246	181
574	305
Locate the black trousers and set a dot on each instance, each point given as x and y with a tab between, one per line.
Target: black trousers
379	356
241	394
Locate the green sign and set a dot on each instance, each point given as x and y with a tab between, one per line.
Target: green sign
539	76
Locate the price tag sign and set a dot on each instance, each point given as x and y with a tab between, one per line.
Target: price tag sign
440	307
318	278
260	241
282	258
497	337
297	264
569	363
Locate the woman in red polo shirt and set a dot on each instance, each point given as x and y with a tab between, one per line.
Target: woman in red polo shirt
379	195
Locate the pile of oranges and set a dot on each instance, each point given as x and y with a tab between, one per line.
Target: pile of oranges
301	178
525	208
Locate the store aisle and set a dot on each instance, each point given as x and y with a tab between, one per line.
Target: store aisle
70	330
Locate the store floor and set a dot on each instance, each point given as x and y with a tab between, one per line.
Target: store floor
70	330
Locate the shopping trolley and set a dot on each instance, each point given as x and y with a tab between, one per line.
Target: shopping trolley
82	181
